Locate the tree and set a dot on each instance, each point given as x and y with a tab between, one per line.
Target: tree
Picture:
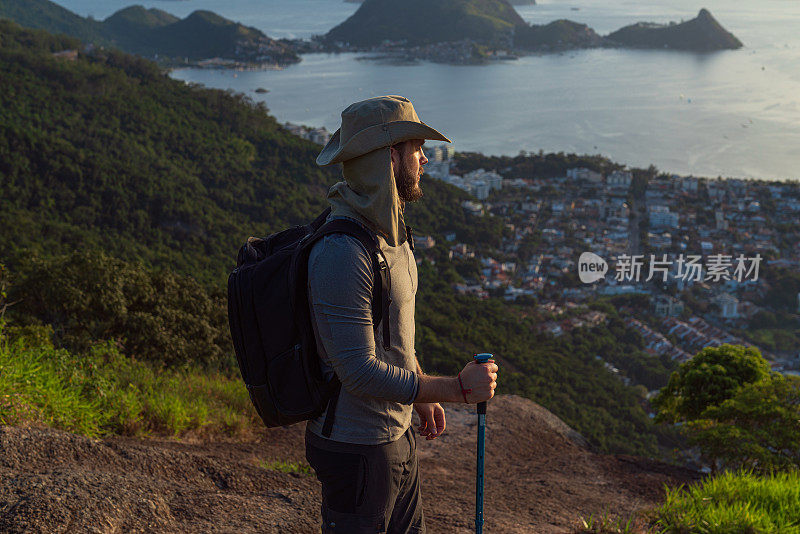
735	410
758	428
714	375
157	315
783	293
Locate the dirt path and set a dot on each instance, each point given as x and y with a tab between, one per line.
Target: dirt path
540	479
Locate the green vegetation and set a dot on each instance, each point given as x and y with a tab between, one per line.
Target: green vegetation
758	428
103	392
157	184
46	15
734	502
281	466
774	339
534	165
420	22
148	32
440	213
784	287
735	410
607	523
496	24
745	419
108	153
202	34
555	35
156	315
623	348
714	375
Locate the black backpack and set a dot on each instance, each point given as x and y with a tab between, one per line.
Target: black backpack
270	321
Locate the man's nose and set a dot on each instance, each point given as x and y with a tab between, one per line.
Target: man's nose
422	160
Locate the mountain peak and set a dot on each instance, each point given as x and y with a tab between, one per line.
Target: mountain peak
422	22
701	34
139	16
208	17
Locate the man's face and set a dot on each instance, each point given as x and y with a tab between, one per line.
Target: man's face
407	161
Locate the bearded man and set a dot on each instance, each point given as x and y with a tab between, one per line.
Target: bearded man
368	465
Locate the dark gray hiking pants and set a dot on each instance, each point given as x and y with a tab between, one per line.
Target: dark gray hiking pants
368	489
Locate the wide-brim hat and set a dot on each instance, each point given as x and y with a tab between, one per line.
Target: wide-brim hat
375	123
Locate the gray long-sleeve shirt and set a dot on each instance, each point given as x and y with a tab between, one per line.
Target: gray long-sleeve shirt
378	386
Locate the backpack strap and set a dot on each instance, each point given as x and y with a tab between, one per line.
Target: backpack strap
320	220
381	281
381	288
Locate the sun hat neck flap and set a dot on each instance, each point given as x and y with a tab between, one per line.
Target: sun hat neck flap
369	191
375	123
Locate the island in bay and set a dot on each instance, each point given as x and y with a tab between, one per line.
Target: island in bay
475	31
703	34
445	31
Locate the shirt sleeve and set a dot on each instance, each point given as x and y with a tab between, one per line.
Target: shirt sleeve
340	288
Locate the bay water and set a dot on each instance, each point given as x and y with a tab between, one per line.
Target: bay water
729	113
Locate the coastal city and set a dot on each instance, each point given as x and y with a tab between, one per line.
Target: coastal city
704	247
593	288
672	221
590	280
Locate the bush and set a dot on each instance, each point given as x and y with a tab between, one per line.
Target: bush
156	315
739	413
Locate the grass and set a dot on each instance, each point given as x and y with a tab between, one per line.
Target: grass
733	503
608	523
104	392
288	467
730	503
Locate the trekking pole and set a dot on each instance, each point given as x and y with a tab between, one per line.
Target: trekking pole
480	358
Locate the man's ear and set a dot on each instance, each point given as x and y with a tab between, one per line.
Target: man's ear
395	152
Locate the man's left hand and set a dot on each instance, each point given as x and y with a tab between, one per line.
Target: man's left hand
431	419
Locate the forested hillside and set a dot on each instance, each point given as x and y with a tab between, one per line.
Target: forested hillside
124	196
155	33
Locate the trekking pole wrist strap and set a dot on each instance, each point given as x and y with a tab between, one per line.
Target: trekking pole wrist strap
463	391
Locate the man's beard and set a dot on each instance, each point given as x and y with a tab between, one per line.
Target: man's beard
407	186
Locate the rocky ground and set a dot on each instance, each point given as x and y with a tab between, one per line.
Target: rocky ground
541	478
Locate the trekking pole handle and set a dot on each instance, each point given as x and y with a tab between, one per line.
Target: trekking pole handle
483	357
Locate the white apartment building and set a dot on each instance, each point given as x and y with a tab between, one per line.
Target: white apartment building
660	216
581	173
442	153
619	179
728	305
